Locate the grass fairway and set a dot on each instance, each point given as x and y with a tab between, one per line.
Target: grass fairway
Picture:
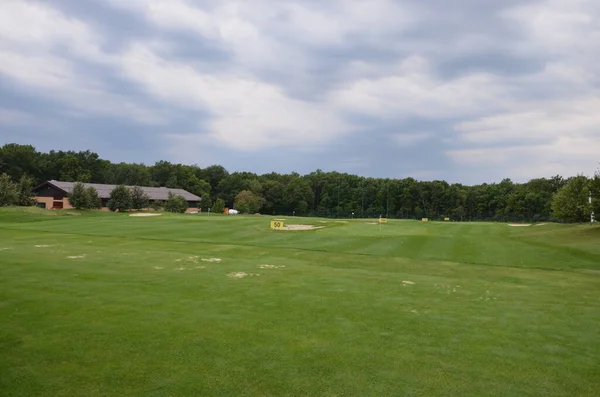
110	305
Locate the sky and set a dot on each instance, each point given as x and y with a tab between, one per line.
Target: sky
468	91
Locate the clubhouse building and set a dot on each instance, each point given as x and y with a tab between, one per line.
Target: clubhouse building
55	194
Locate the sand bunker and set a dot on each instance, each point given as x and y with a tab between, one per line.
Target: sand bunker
42	246
519	224
540	224
301	227
145	215
408	282
76	257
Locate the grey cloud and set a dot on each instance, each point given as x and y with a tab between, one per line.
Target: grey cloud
321	85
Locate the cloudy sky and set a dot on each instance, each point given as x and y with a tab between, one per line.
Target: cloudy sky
468	91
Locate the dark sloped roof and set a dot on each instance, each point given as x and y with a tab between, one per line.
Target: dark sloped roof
155	193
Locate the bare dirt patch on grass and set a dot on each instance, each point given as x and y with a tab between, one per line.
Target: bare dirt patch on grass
145	215
212	260
238	275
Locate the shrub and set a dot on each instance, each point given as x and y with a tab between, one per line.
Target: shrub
157	205
218	206
139	199
120	199
176	204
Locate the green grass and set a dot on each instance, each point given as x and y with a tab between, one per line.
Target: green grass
494	310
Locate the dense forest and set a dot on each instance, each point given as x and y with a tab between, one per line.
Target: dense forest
326	194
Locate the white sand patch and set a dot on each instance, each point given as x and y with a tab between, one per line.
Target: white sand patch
217	260
76	257
300	227
241	275
540	224
408	282
372	223
180	268
145	215
4	249
519	224
271	266
158	267
43	246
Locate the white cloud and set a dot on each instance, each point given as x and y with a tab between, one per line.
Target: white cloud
30	33
413	90
246	113
375	54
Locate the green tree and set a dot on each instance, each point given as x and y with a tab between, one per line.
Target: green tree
24	187
120	199
248	202
595	190
570	203
17	160
9	193
78	197
93	200
176	203
218	206
139	199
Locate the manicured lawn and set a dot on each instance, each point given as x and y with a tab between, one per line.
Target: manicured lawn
103	304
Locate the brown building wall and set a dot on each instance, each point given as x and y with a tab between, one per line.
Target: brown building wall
51	203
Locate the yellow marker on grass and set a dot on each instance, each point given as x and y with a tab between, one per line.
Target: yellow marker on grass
277	225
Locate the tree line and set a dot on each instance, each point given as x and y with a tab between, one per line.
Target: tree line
326	194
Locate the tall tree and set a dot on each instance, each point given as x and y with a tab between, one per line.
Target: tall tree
25	187
92	198
9	193
248	202
78	198
570	203
595	192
